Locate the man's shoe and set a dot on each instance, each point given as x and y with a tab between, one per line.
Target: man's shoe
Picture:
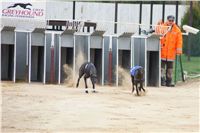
163	82
170	85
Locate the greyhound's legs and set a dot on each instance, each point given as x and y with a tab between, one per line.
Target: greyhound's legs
133	88
137	89
77	84
93	85
80	75
141	86
132	84
85	79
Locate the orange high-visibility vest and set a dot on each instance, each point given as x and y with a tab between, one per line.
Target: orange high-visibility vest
171	43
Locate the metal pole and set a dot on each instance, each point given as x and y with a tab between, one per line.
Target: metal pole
0	58
74	9
159	73
52	64
145	62
44	73
116	15
140	17
182	73
102	78
27	56
175	76
117	64
177	12
74	61
59	59
163	11
151	14
29	74
190	24
131	43
176	56
52	60
89	41
110	62
14	74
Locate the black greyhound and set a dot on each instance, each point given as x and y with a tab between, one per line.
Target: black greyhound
22	5
88	70
137	76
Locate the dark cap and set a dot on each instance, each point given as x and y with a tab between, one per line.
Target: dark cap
170	17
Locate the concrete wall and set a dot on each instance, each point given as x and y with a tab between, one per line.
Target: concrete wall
62	10
7	37
104	14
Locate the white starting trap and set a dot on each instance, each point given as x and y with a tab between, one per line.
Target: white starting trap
35	64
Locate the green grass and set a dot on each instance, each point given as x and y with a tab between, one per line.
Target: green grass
192	66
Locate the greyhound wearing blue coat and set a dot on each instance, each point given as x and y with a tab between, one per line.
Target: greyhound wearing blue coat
137	77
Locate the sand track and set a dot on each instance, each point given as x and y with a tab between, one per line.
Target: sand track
55	108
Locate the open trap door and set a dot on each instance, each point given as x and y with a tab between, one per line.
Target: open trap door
152	68
37	61
96	58
124	64
147	54
67	57
7	46
36	55
7	62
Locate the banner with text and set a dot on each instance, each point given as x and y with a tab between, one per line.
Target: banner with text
21	13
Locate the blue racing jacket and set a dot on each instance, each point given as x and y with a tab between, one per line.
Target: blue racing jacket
133	70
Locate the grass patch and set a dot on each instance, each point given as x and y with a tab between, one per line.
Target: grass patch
192	66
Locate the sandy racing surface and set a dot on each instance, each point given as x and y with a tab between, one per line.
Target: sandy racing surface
55	108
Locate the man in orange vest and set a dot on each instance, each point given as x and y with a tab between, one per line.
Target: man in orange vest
171	45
